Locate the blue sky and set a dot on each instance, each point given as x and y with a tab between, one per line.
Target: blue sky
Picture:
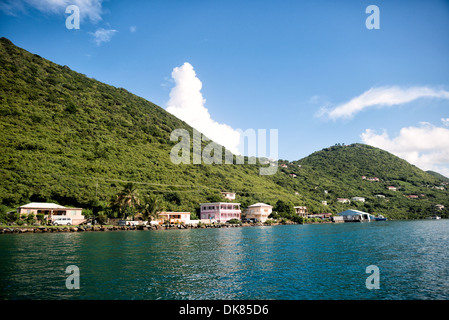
310	69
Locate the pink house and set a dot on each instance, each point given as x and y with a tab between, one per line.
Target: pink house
220	211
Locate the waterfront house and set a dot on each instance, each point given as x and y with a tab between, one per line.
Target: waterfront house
259	211
301	211
175	217
229	195
52	211
352	215
220	211
320	215
360	199
343	200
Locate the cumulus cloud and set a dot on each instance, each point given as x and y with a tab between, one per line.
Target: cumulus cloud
187	103
382	97
426	145
103	35
91	9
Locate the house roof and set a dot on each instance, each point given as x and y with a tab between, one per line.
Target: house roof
352	212
215	203
45	205
260	204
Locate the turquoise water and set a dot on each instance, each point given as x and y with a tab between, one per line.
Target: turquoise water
290	262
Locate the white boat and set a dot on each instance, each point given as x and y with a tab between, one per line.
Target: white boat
434	217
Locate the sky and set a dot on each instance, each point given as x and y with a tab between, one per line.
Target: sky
319	72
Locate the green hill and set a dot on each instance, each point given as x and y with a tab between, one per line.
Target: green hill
76	141
73	140
438	176
359	170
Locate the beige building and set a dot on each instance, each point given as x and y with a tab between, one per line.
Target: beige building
175	217
53	211
259	211
301	211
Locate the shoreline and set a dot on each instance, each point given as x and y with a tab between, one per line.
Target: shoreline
104	228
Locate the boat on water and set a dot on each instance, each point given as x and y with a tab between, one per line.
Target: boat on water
434	217
380	218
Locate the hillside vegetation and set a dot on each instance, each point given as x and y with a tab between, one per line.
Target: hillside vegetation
73	140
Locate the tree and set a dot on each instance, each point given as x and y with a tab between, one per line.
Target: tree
151	206
284	208
127	201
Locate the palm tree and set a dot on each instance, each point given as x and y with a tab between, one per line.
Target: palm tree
150	207
127	200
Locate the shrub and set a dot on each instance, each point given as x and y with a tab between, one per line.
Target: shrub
40	217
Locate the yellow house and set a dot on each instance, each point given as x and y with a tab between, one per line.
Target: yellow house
259	211
52	211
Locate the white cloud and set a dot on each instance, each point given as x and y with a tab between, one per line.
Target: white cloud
103	35
187	103
383	97
133	29
425	146
91	9
445	121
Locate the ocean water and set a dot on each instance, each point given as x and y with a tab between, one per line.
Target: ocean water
289	262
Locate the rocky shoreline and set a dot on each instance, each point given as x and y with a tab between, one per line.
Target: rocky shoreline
52	229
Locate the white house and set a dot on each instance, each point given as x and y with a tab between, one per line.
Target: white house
360	199
229	195
343	200
52	211
259	211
